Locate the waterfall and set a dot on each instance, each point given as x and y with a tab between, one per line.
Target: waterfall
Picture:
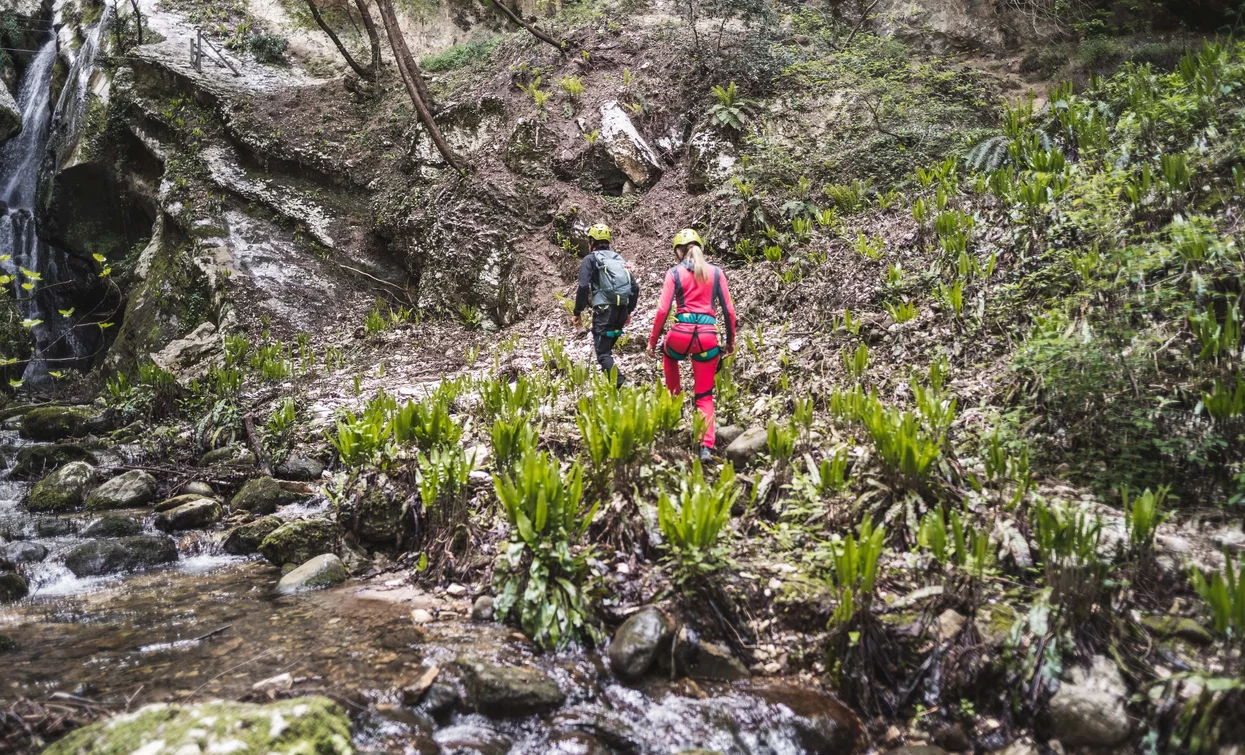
71	105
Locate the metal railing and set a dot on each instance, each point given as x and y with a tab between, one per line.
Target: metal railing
197	54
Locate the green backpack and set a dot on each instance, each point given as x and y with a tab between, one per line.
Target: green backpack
613	279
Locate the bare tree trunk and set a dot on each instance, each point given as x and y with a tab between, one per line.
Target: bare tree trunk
138	20
413	78
542	36
350	61
372	36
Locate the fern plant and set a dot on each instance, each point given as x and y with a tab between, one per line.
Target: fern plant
512	438
1224	593
730	111
692	521
1067	544
854	578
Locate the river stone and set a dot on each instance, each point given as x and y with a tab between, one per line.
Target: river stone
917	750
298	541
13	587
261	496
578	742
33	461
126	491
198	487
507	690
482	609
726	435
322	571
52	423
715	663
63	490
744	449
168	504
194	515
53	526
300	468
638	642
472	739
112	525
1177	626
299	725
1089	709
245	540
97	557
23	552
355	559
822	723
233	456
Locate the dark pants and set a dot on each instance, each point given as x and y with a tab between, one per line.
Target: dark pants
607	320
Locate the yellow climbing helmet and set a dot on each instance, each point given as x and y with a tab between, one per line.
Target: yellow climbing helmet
687	236
600	232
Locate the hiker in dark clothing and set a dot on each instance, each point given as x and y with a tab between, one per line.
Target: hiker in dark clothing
608	287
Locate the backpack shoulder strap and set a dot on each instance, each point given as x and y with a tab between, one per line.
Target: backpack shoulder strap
678	285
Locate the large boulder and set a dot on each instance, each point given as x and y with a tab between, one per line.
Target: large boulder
710	159
189	357
1088	710
821	723
299	725
63	490
624	145
638	642
23	552
52	423
245	540
745	448
13	587
496	690
112	525
97	557
10	115
126	491
193	515
300	468
261	496
35	461
297	542
320	572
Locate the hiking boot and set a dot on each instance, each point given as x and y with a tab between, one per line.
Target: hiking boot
706	454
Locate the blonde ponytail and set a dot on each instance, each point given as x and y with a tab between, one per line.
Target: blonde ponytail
700	266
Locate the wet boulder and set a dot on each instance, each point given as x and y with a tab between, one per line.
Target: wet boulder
192	515
63	490
35	461
113	525
97	557
713	662
638	642
472	739
13	587
300	468
53	526
301	724
245	540
23	552
496	690
126	491
52	423
745	448
821	723
168	504
229	456
320	572
297	542
1088	710
261	496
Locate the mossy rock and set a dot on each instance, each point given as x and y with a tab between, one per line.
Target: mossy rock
194	515
311	725
299	541
34	461
245	540
96	557
126	491
229	456
261	496
168	504
52	423
379	516
63	490
320	572
112	525
13	587
1180	627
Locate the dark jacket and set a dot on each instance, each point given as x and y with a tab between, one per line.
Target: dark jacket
588	281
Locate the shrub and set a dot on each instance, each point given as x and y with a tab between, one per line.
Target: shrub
268	48
1142	517
460	55
540	580
426	424
618	424
692	523
855	573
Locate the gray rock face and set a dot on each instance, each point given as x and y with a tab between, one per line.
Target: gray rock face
23	553
63	490
638	642
507	690
245	540
193	515
318	573
941	25
745	448
10	115
300	468
189	357
132	489
261	496
297	542
710	160
1089	709
13	587
98	557
112	525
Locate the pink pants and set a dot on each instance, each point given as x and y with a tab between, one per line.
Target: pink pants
691	341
